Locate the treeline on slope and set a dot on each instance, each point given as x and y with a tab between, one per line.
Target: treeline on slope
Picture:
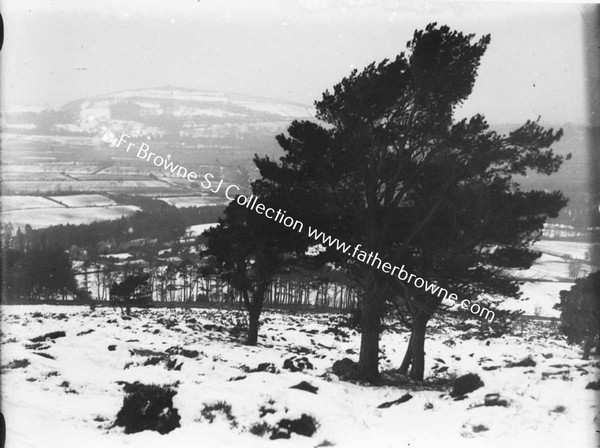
36	262
164	223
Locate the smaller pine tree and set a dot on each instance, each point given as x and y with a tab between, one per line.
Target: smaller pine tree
580	313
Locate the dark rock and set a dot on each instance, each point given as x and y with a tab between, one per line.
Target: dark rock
495	400
17	364
403	399
490	367
153	360
37	346
112	348
466	384
305	386
148	407
44	355
172	364
264	367
594	385
525	362
81	333
344	368
53	335
294	364
183	352
237	378
300	350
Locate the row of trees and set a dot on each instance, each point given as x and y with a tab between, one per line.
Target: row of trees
390	167
187	282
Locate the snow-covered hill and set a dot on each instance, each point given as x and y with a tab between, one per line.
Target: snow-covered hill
155	110
67	389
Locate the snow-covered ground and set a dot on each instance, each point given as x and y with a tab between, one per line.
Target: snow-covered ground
70	392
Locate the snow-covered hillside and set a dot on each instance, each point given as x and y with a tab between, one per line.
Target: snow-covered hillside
148	111
67	390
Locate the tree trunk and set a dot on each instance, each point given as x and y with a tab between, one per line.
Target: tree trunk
415	352
407	357
417	348
368	363
587	348
253	321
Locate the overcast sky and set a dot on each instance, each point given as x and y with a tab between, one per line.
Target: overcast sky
58	51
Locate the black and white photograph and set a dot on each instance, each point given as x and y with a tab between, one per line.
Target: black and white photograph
299	224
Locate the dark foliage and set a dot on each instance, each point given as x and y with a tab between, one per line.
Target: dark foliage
393	170
260	428
306	425
134	289
37	273
209	412
249	251
148	407
580	313
17	364
466	384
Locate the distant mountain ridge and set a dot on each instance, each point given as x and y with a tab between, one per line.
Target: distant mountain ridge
192	103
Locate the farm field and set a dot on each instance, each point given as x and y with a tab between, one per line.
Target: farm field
39	218
76	382
10	203
548	276
100	186
84	200
194	201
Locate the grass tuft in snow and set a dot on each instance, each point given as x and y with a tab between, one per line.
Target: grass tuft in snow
260	428
210	411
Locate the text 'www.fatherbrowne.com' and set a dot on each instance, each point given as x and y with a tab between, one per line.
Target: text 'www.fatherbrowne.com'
251	202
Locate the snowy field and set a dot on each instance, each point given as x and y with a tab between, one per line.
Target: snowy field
194	201
40	218
71	388
10	203
84	200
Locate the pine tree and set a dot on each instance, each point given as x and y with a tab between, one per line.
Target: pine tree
249	251
580	313
391	169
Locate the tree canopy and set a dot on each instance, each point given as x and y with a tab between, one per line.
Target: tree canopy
388	166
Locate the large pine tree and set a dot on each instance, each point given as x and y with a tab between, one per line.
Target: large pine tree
390	168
